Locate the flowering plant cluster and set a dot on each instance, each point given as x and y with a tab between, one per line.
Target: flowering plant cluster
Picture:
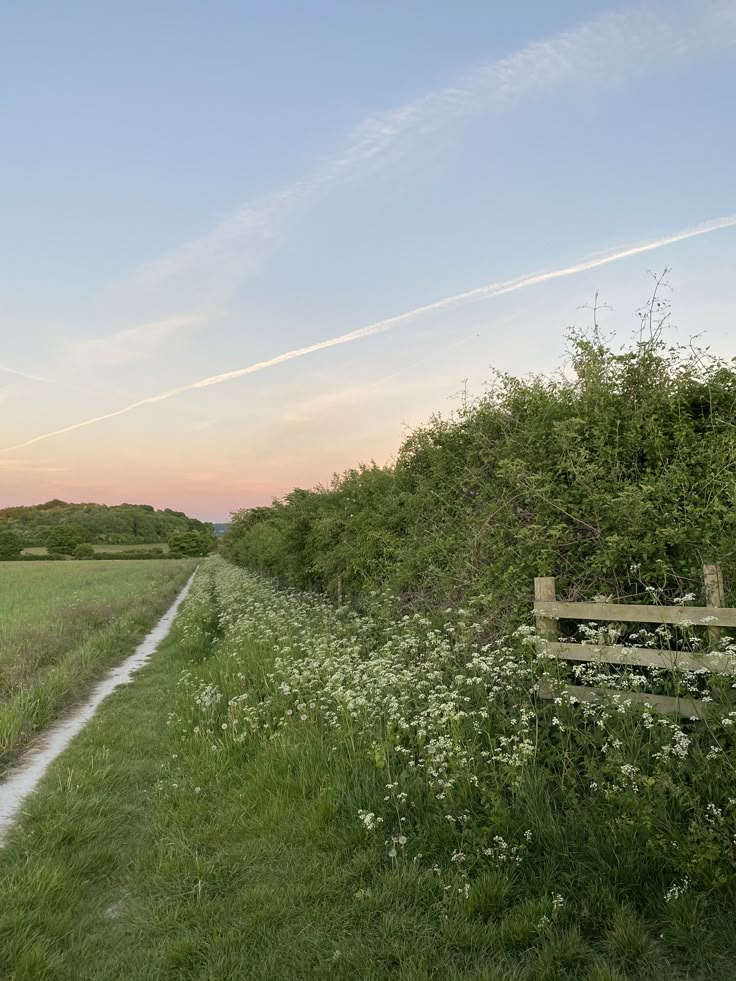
462	765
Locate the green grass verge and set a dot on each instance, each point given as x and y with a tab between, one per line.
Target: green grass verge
149	853
62	625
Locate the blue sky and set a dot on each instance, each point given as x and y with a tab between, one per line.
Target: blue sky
188	189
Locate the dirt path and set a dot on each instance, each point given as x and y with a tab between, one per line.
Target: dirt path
25	776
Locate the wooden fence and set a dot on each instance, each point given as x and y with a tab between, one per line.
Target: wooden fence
548	611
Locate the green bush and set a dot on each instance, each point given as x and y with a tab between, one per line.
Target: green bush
614	477
84	551
191	543
10	545
64	539
136	553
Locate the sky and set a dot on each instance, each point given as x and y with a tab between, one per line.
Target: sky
244	246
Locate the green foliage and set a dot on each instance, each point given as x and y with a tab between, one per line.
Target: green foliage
10	545
191	543
621	474
64	540
84	551
62	625
137	553
43	557
124	524
244	852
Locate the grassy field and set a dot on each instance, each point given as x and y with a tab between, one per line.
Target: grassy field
62	625
290	792
42	550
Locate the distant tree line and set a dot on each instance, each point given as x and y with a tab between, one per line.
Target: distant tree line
98	524
71	530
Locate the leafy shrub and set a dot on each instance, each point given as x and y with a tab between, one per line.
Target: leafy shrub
192	543
136	553
84	551
10	545
619	475
64	539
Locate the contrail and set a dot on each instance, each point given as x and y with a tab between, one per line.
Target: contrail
481	292
27	376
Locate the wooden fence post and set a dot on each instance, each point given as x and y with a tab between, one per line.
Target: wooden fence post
544	592
714	596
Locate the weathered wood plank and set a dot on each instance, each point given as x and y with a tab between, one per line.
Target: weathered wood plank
544	592
642	656
707	616
715	595
686	708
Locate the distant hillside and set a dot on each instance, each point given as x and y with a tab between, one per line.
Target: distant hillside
121	524
220	527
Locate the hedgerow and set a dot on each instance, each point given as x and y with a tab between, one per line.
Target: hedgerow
616	475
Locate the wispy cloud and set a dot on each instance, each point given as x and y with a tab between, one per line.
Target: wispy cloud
605	49
132	343
381	326
327	403
340	401
379	389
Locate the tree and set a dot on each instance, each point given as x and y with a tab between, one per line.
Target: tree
84	551
124	524
190	543
63	539
10	545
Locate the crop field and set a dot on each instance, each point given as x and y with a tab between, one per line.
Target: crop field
291	790
136	547
62	625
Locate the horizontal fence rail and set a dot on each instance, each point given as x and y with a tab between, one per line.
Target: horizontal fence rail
548	611
641	656
686	708
699	616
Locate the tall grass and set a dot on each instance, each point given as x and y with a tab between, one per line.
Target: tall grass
62	625
601	830
289	791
